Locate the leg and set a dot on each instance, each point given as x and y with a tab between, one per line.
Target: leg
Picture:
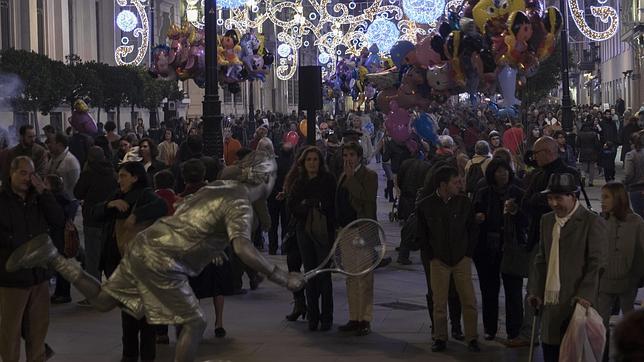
627	299
36	321
93	237
310	262
513	287
130	327
462	273
189	339
605	303
353	297
550	353
454	304
490	284
13	302
274	212
430	302
62	287
148	340
218	303
440	274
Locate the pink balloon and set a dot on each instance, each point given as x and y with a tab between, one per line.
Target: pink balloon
412	145
292	137
400	132
397	117
426	56
83	122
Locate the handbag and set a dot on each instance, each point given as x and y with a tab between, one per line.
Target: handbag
72	240
515	259
316	226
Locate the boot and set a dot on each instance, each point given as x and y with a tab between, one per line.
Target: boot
390	186
299	309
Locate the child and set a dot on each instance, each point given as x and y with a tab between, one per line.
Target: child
607	160
163	187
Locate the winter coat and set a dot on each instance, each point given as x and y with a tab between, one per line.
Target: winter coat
634	167
96	183
625	257
589	145
318	192
626	133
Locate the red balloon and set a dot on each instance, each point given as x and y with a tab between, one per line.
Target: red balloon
292	137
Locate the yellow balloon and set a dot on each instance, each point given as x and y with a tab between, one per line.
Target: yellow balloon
303	125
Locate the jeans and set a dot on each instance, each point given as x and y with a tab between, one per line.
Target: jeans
589	170
319	290
93	237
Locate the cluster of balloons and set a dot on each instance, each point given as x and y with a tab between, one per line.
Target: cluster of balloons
399	125
487	45
239	58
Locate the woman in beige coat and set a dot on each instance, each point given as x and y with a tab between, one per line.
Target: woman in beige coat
625	257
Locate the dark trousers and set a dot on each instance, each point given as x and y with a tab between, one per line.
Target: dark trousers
238	268
319	290
294	263
489	272
279	216
138	338
62	287
453	300
609	171
550	352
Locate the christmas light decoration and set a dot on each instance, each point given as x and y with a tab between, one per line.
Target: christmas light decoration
324	58
423	11
606	14
129	22
284	50
126	21
384	33
230	4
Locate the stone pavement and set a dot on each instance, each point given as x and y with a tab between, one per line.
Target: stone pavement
257	330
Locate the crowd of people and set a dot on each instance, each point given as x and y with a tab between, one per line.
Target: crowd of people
498	194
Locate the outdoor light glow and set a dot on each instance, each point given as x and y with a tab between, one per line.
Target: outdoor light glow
323	58
423	11
384	33
606	14
284	50
126	21
231	4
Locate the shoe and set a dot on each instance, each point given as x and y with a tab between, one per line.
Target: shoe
299	309
220	332
255	281
489	337
37	252
473	346
84	303
457	334
162	339
313	325
49	353
518	343
438	345
403	261
238	292
384	262
351	326
325	326
364	329
59	299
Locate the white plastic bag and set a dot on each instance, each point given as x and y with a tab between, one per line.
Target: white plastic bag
585	337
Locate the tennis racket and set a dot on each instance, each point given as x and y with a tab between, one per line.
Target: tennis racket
358	249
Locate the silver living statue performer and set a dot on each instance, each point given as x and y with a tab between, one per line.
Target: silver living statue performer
152	278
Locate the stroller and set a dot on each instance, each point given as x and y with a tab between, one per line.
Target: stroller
393	214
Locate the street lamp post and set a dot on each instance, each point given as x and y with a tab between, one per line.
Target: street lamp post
212	135
566	105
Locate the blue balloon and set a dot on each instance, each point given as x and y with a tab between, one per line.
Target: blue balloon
368	127
508	112
425	128
400	50
494	108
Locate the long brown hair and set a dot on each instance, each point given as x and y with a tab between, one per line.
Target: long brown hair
621	204
298	172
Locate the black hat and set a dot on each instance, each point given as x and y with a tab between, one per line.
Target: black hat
561	183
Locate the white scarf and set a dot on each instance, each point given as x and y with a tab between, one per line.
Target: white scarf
553	283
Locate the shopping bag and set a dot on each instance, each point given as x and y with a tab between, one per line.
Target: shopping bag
585	337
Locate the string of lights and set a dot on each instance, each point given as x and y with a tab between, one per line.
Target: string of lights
128	22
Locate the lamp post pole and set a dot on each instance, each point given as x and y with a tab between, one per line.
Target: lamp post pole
566	104
212	134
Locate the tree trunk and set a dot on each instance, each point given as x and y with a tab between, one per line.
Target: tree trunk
36	124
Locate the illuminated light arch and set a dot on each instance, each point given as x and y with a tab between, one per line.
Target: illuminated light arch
140	30
606	14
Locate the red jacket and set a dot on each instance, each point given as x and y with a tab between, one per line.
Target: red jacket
169	197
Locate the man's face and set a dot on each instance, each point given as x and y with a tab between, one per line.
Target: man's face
21	177
54	147
454	186
351	158
29	138
541	155
561	204
561	139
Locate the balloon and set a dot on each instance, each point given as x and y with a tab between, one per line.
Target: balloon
396	117
303	126
494	108
517	36
552	21
438	77
425	128
81	120
426	55
399	132
409	93
508	112
368	127
383	98
400	50
292	137
412	145
385	79
508	81
268	58
488	13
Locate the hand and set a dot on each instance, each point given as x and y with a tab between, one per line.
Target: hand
37	183
130	221
220	258
479	217
349	170
510	207
584	303
295	281
120	205
280	196
534	301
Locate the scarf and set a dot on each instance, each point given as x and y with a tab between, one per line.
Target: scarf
553	282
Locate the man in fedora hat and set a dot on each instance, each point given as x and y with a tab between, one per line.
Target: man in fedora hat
572	235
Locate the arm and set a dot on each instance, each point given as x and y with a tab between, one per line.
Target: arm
54	214
595	260
629	168
537	272
82	187
150	207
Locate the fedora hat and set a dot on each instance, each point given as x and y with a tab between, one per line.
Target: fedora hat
561	183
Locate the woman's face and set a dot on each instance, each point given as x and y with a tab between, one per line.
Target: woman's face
501	176
312	163
168	135
144	149
124	146
126	180
608	202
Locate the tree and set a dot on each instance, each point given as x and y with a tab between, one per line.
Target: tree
546	79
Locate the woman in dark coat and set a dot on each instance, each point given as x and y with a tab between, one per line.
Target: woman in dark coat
133	205
627	131
589	145
311	194
148	151
502	223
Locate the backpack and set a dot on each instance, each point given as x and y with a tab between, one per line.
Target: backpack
474	174
409	229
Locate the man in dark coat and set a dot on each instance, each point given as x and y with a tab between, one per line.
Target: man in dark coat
27	210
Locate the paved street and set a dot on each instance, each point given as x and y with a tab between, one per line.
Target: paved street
257	330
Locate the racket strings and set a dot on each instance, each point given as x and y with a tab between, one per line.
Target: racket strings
359	248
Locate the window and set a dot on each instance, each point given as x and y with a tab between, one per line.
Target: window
5	25
40	21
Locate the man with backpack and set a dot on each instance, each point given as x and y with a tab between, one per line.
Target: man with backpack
475	168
